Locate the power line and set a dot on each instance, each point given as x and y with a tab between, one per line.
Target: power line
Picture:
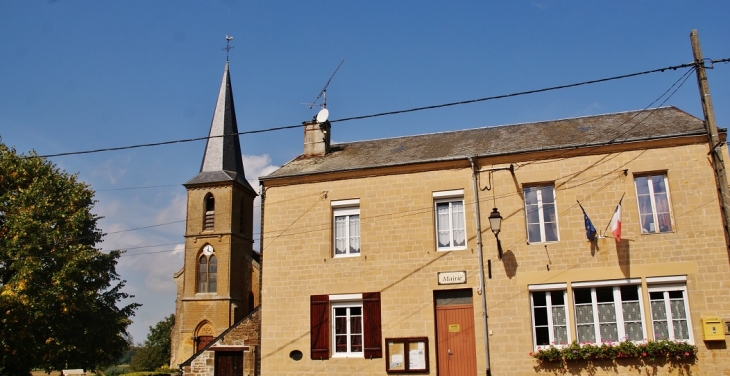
675	67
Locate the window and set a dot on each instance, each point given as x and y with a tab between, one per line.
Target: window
653	197
207	270
549	318
347	328
354	327
209	218
669	312
347	231
541	214
450	225
608	313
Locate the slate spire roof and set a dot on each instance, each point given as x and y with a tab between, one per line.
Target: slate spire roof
222	160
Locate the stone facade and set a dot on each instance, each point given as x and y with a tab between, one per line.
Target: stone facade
243	337
399	257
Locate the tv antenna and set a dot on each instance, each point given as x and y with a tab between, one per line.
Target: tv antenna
323	94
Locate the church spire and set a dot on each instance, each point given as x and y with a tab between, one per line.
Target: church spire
222	160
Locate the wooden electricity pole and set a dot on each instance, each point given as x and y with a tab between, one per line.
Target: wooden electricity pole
715	143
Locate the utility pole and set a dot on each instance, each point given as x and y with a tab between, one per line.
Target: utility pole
715	143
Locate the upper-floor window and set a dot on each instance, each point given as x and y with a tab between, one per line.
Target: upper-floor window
450	224
653	196
541	214
207	271
209	216
346	232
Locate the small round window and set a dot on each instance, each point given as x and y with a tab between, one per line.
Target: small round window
295	355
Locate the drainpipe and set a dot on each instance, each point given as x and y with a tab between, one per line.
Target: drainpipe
481	262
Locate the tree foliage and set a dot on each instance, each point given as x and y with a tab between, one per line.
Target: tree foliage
156	349
58	293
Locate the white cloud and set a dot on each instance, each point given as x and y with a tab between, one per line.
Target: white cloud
155	253
111	171
255	166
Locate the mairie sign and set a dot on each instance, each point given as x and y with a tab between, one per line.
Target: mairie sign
452	278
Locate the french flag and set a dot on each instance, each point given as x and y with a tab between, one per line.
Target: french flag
616	222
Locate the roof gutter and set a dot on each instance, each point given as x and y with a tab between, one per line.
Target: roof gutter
480	254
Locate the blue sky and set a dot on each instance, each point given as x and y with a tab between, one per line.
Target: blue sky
81	75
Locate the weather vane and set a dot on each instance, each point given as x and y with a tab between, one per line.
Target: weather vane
228	45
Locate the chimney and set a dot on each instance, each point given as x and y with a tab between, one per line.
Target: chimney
316	138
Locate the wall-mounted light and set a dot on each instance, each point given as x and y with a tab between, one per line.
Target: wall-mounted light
495	222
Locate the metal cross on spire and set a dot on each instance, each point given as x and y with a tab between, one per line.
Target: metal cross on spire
228	46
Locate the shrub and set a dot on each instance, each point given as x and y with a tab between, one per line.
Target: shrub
647	351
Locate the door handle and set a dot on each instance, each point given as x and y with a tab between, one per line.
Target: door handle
449	352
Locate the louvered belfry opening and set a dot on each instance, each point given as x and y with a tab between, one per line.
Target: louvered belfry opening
209	221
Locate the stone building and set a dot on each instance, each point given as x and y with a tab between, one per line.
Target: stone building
216	319
380	257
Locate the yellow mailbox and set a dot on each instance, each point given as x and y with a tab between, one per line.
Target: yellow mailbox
712	329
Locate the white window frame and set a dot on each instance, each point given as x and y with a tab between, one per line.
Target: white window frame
652	199
346	208
541	217
548	289
665	289
449	197
343	302
618	307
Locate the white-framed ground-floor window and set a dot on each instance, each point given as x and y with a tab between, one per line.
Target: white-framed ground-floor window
610	311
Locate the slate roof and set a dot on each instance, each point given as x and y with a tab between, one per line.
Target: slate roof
663	122
222	160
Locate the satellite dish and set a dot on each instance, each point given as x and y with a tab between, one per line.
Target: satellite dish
322	115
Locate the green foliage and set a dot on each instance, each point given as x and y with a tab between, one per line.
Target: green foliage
116	370
156	349
648	351
58	293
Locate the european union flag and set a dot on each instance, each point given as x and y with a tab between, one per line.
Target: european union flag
590	230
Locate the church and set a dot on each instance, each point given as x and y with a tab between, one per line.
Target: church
216	310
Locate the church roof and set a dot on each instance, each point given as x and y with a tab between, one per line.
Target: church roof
588	131
222	160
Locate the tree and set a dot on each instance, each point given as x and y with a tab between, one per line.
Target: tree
58	293
156	349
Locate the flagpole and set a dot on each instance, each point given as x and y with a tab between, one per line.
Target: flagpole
609	222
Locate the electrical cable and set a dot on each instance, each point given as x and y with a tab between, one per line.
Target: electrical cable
675	67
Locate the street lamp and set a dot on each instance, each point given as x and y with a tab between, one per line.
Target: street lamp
495	222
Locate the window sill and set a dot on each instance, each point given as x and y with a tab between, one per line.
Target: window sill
541	243
350	355
656	233
346	255
451	249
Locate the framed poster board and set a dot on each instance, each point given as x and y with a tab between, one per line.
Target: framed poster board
406	355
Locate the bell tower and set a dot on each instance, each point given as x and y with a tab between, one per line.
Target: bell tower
218	284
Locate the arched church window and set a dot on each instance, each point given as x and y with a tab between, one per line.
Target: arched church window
207	271
209	219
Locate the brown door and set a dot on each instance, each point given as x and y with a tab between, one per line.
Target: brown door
228	363
455	345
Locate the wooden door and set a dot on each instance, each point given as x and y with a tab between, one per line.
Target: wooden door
228	363
455	347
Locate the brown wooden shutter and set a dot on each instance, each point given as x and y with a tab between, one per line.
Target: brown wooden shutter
373	337
319	319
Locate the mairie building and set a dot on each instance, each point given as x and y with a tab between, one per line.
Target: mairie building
471	253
